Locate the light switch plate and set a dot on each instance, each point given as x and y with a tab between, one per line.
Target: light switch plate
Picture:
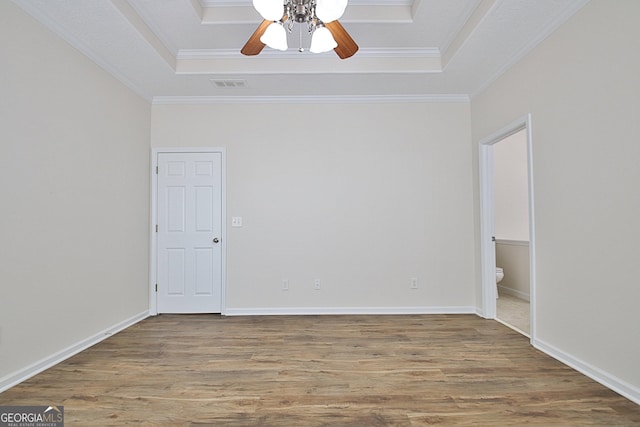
236	221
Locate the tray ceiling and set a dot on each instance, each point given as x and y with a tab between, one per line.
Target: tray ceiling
172	50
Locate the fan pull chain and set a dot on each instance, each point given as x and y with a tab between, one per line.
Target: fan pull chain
300	49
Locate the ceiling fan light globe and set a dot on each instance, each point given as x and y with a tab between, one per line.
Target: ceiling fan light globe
271	10
330	10
322	41
275	36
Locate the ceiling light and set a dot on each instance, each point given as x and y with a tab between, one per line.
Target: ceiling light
330	10
270	10
313	13
275	36
322	40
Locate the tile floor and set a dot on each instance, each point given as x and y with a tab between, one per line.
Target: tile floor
514	312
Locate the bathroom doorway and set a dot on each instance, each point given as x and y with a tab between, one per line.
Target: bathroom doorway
507	227
511	230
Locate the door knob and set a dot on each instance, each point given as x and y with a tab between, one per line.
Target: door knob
216	240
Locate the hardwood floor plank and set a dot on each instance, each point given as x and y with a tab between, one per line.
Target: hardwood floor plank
205	370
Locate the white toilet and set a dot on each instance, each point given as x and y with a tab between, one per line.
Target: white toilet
499	277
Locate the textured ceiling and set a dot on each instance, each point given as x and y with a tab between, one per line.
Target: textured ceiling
177	49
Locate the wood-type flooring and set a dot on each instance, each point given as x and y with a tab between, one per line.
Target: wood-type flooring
393	370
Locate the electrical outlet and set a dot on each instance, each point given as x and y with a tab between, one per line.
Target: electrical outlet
414	283
236	221
285	285
316	284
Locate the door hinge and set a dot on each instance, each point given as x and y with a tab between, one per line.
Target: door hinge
156	228
156	287
156	170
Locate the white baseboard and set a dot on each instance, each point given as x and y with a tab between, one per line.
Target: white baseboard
514	292
346	310
16	378
619	386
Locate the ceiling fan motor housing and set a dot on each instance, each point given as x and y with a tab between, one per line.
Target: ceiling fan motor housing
301	12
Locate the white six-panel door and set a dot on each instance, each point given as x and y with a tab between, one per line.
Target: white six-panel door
189	249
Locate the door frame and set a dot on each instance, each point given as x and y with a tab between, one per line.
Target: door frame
487	216
153	235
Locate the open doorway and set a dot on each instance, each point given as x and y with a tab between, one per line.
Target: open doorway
507	227
511	231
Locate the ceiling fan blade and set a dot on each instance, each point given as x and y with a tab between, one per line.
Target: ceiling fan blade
254	46
346	46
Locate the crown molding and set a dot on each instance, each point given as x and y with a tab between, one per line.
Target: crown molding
219	3
205	54
243	12
318	99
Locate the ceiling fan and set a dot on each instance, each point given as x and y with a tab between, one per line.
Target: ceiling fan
320	16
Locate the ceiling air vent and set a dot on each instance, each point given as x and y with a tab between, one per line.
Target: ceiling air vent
229	83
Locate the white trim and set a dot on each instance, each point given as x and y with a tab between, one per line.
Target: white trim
226	3
487	246
24	374
153	241
153	238
487	214
290	311
622	387
219	54
317	99
532	229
